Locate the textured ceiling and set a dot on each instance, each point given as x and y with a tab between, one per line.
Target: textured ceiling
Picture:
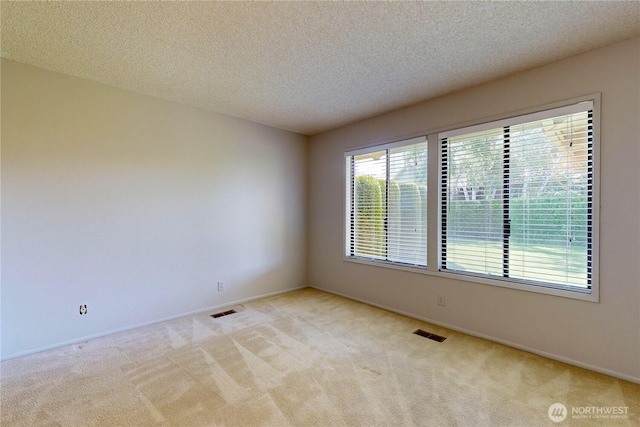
306	67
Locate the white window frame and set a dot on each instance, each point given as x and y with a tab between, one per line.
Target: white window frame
434	211
347	207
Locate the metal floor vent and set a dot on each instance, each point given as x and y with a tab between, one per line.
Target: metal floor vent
429	335
223	313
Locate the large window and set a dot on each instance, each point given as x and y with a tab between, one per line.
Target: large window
517	199
387	203
516	202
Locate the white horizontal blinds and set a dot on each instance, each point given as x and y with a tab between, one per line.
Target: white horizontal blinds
388	195
407	204
474	203
517	200
367	233
550	172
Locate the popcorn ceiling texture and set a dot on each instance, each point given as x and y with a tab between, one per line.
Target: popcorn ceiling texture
306	67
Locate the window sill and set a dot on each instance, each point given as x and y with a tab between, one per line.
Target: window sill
541	289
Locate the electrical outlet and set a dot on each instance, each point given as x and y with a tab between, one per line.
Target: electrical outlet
441	300
220	286
83	309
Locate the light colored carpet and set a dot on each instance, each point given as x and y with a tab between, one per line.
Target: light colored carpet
305	358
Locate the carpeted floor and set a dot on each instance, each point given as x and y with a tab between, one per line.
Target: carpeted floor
305	358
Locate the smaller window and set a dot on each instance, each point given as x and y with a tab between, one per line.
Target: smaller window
386	218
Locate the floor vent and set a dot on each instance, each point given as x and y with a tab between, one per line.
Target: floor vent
223	313
429	335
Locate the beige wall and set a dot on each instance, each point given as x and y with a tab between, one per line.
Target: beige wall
604	336
136	207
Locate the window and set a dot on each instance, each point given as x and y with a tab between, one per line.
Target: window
517	199
517	202
387	203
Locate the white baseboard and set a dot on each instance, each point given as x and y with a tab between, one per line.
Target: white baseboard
140	325
552	356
